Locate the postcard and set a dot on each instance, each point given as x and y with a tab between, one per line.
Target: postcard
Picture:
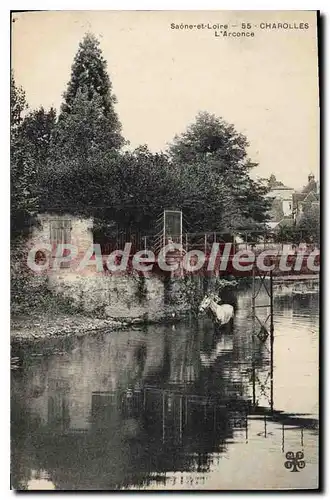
165	250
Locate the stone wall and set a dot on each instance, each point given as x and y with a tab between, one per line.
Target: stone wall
122	297
81	230
130	297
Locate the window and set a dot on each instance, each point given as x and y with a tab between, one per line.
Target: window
60	233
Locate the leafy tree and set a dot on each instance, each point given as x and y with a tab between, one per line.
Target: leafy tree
24	202
287	234
309	224
213	156
18	105
211	137
273	182
146	185
205	199
128	190
89	75
80	167
37	128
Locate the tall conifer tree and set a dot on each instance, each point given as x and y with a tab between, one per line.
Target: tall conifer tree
89	75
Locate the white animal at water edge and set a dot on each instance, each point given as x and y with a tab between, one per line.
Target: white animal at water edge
223	312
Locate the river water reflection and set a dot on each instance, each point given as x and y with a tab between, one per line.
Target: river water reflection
171	407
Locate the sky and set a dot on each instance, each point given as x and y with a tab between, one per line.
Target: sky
266	85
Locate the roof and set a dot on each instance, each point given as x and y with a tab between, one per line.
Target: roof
311	196
311	186
305	198
280	188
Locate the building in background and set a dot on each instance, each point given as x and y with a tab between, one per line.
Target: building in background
281	211
308	199
293	208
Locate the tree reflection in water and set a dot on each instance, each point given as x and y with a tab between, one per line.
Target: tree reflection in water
125	408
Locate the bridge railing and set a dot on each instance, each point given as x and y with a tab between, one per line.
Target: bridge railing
256	241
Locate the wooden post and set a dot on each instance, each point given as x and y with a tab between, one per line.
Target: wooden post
163	231
181	229
214	417
246	427
163	416
253	334
271	341
181	418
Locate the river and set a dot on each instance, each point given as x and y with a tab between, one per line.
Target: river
175	406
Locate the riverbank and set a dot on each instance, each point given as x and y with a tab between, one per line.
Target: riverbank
42	316
33	327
